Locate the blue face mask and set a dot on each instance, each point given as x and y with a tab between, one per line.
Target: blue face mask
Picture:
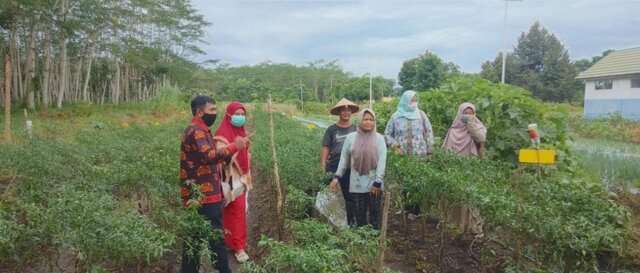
238	121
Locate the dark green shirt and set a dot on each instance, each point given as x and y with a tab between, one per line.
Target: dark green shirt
333	139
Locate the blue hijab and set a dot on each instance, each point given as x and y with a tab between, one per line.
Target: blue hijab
403	106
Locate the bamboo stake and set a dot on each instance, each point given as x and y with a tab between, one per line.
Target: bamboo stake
7	99
518	246
276	176
383	232
425	213
518	239
442	226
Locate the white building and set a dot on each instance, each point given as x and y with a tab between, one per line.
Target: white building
612	85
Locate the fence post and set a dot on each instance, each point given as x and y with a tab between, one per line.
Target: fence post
276	176
443	203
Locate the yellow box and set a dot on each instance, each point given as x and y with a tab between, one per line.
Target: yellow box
537	156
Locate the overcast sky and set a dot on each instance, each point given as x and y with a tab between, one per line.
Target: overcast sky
377	36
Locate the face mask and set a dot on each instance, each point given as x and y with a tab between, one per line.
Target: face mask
209	119
412	106
238	121
465	118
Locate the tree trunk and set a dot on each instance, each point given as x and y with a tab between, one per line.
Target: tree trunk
62	81
77	79
7	101
85	88
2	87
30	69
13	49
104	91
115	84
46	73
125	80
115	80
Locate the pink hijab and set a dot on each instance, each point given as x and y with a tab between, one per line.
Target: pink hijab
364	154
458	138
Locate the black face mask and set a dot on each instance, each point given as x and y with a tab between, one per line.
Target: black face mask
209	119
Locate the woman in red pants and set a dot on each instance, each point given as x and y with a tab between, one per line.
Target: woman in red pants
236	177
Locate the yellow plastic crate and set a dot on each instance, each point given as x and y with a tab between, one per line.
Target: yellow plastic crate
537	156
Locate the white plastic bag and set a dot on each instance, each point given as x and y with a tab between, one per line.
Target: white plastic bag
331	206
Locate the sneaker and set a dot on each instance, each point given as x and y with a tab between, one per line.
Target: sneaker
242	257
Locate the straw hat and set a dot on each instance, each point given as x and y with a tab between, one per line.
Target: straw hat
344	103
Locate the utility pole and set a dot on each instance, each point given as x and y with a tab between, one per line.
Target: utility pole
504	40
370	93
370	86
301	99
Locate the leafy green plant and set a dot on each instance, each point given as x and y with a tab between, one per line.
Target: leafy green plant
612	127
505	110
565	220
167	98
317	247
107	195
298	204
315	108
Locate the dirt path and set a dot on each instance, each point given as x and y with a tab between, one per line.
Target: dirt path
261	217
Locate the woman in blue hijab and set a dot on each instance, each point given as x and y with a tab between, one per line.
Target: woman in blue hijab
409	133
409	129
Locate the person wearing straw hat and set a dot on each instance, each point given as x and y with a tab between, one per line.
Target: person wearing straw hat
332	143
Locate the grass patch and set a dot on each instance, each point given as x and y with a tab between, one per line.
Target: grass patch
613	161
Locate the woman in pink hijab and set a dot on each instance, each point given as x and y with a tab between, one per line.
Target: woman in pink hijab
467	133
466	137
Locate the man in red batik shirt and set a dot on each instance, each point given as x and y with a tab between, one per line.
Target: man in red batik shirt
199	160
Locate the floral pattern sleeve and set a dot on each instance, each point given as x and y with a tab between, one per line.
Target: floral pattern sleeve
389	133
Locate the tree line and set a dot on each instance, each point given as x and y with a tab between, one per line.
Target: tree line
316	81
114	51
96	50
539	63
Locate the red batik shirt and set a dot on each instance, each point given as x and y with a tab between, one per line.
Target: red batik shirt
199	160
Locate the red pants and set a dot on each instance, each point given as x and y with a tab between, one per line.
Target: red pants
234	220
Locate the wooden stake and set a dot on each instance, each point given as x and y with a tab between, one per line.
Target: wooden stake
518	246
442	226
7	99
518	243
383	232
276	176
425	213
